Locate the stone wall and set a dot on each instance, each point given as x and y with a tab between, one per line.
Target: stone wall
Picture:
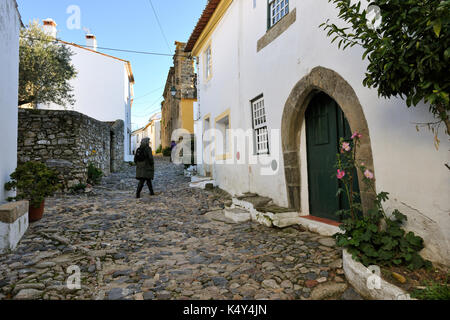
117	142
68	141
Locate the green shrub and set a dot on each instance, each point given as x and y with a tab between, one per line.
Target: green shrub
33	181
94	174
167	152
159	150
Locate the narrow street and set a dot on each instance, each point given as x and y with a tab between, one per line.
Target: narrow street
169	246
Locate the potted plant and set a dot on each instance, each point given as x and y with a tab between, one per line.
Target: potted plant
33	181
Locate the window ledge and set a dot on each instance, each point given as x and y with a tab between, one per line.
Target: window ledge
274	32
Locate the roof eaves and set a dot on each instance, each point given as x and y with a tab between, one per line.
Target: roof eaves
18	13
202	23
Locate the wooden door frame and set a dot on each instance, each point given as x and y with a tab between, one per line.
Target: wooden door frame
331	83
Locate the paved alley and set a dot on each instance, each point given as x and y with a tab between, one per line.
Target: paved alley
169	246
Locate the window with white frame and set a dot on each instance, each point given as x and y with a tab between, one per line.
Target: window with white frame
208	63
261	134
277	10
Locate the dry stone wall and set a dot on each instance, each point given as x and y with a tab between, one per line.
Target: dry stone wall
68	141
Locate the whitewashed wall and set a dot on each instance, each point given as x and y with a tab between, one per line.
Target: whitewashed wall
9	78
406	163
133	143
137	137
102	90
155	135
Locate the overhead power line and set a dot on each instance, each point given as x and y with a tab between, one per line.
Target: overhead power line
160	26
104	48
142	113
148	114
148	93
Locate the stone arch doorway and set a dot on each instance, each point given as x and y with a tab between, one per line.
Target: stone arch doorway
332	84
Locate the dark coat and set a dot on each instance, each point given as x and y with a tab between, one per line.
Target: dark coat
145	169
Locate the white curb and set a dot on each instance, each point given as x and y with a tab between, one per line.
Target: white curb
361	278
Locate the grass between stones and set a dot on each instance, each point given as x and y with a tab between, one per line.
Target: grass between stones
420	284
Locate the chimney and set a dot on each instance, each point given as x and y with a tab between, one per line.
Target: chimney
91	42
50	27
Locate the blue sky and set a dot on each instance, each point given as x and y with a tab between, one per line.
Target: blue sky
127	25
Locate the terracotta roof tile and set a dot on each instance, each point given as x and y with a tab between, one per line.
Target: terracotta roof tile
201	24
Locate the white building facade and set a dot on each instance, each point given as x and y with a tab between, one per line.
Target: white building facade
14	215
103	87
262	70
10	23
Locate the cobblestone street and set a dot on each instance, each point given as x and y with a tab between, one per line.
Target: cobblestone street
170	246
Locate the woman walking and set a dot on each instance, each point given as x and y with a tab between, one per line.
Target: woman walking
145	167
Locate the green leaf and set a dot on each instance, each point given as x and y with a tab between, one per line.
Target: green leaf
414	240
385	255
447	53
397	261
399	216
408	257
373	228
437	26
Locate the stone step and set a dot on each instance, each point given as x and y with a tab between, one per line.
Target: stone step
272	208
256	201
219	216
203	184
237	214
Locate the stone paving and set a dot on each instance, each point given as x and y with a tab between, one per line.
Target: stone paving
169	246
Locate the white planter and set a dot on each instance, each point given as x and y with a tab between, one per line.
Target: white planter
368	284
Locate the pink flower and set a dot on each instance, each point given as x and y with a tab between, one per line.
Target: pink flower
346	146
340	174
368	174
356	135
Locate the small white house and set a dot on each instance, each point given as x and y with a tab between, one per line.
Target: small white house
103	87
136	138
151	130
267	69
154	131
13	216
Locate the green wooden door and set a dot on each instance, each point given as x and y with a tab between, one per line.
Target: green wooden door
325	125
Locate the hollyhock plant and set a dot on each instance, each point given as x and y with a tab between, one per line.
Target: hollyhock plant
368	174
370	235
340	174
356	135
346	146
